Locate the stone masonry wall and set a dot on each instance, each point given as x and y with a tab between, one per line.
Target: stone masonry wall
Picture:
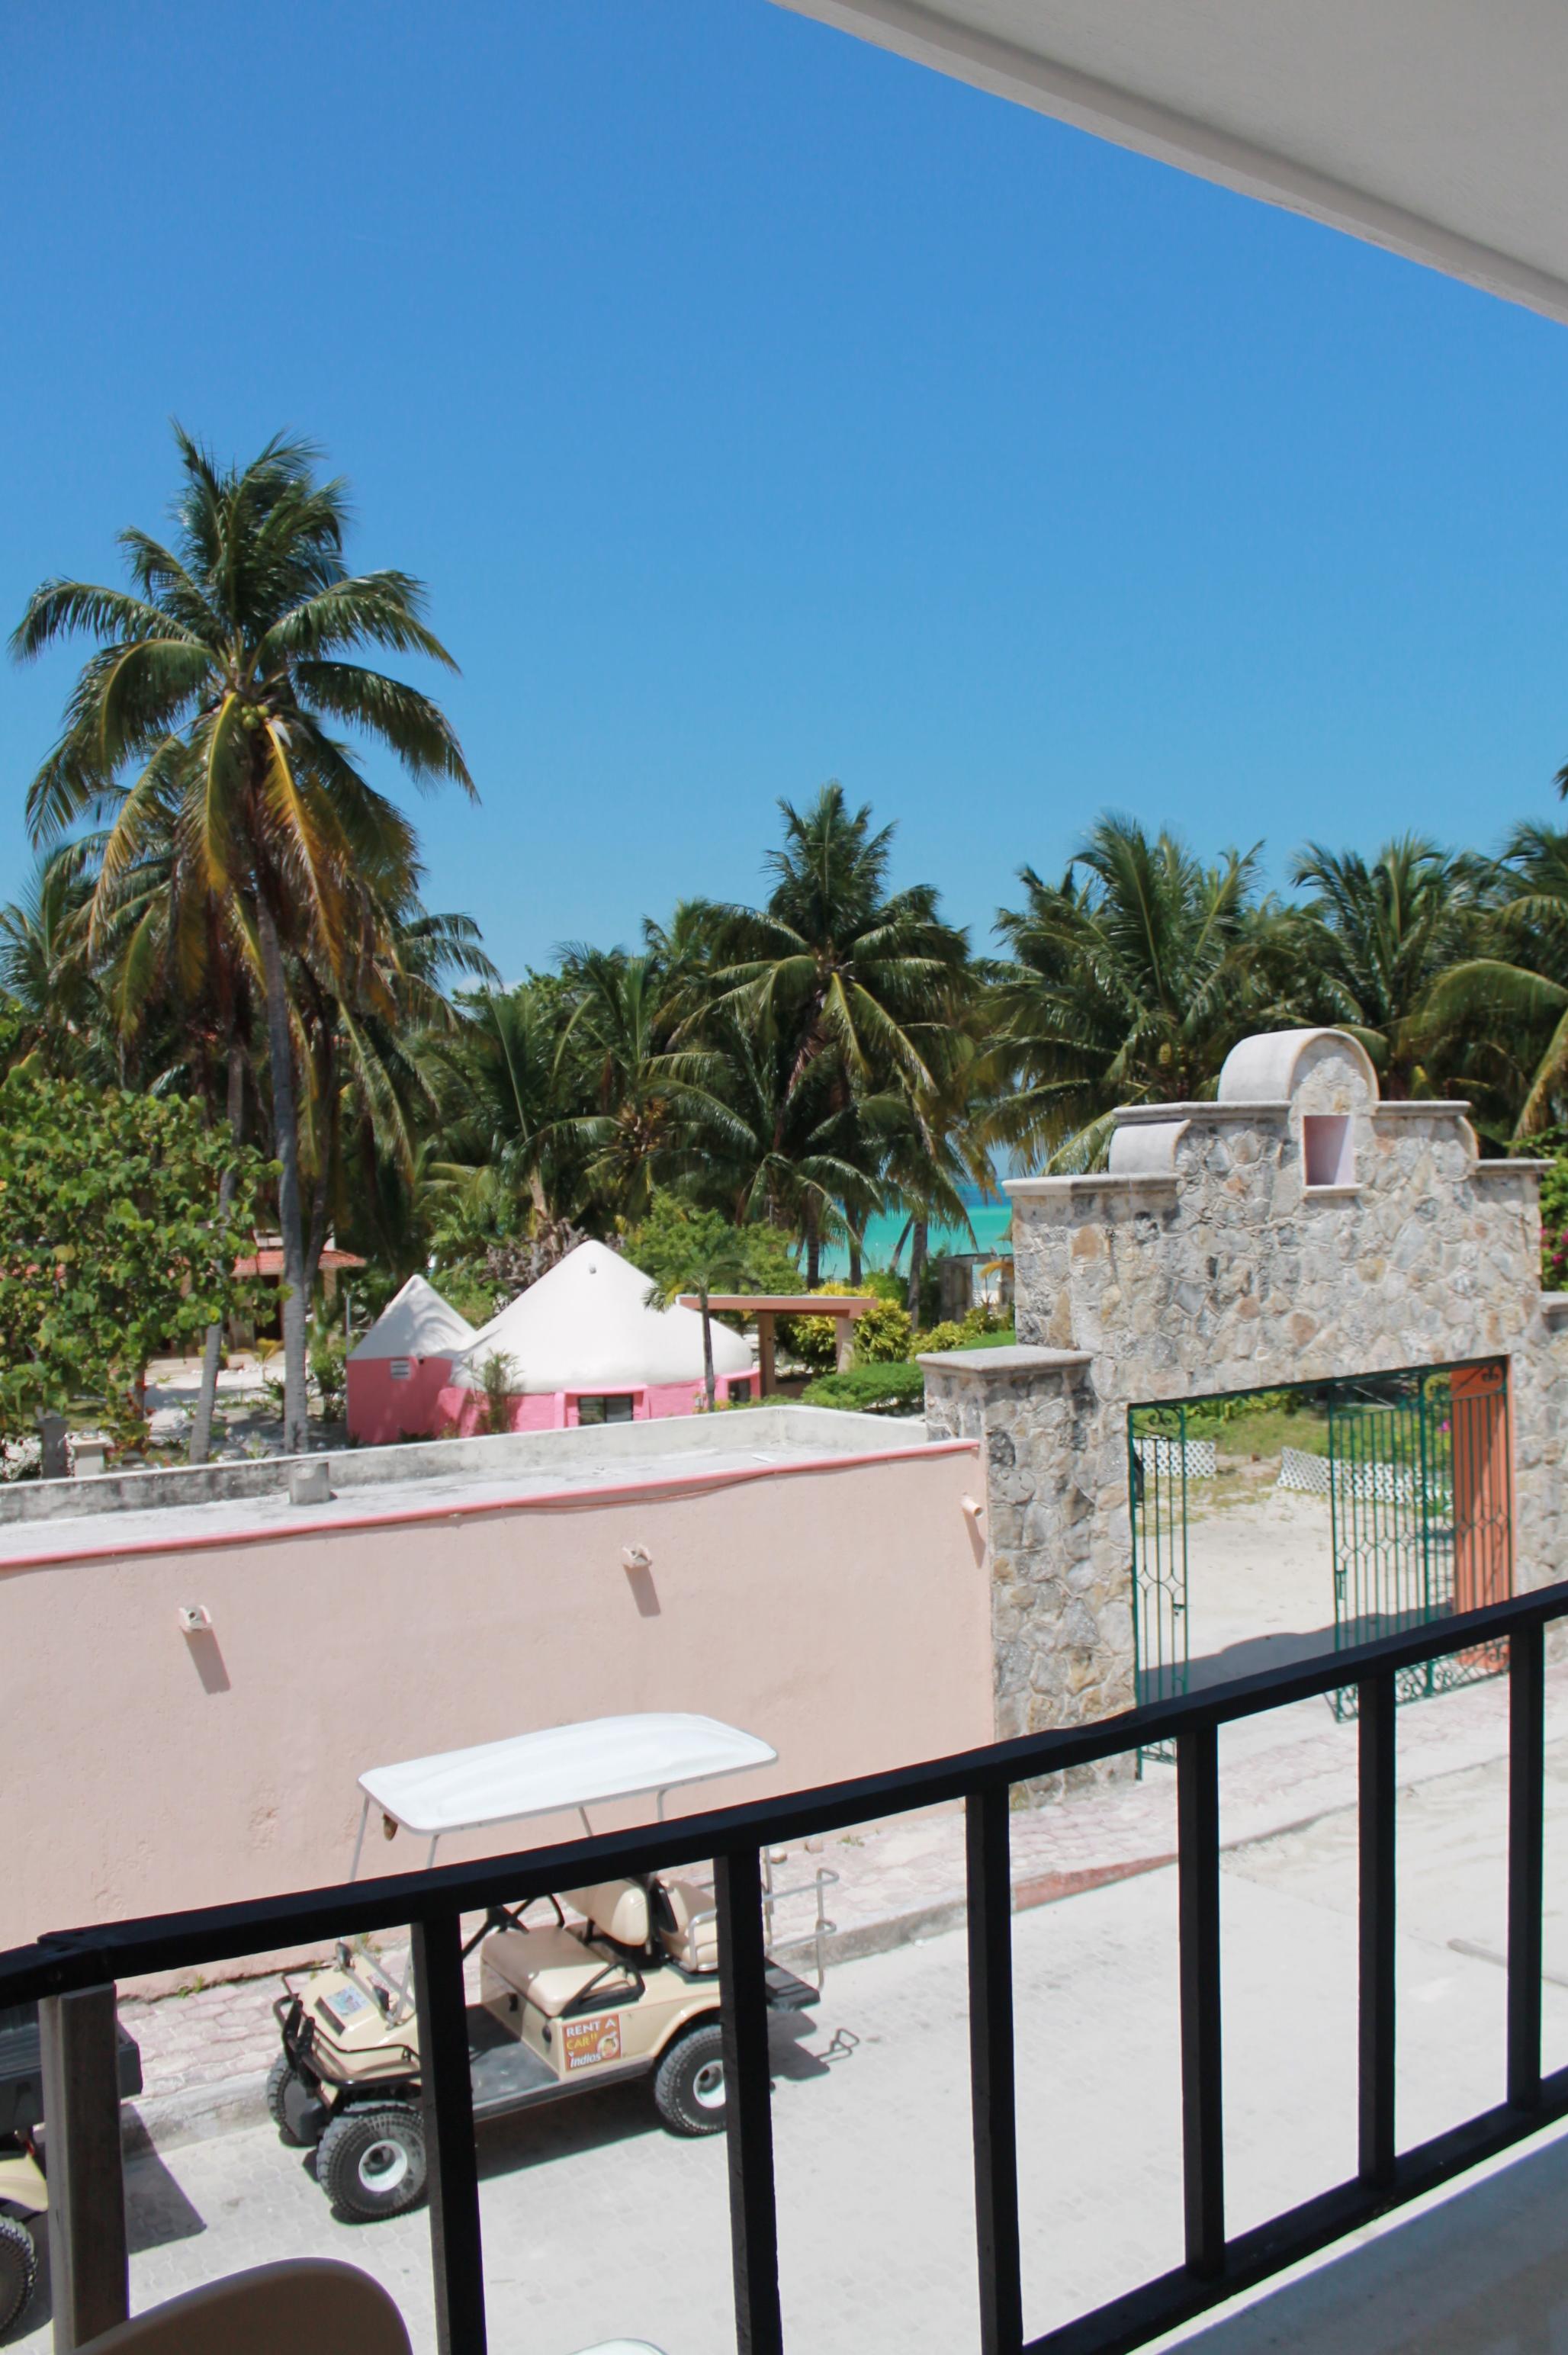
1203	1263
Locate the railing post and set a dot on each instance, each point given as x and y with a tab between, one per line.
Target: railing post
748	2103
992	2076
1526	1810
456	2257
89	2273
1375	1703
1202	2093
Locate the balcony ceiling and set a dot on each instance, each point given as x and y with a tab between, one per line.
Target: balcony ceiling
1432	127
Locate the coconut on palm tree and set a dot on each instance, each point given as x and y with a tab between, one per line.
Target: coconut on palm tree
208	712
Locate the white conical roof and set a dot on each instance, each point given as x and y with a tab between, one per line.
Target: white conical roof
418	1324
587	1324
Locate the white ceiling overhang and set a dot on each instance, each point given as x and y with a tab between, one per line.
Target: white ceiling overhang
1436	128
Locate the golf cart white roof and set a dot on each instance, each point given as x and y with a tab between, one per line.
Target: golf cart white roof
559	1767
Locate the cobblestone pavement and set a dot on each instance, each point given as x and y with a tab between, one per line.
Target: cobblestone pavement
597	2223
204	2054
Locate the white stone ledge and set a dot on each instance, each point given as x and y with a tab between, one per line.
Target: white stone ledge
1330	1193
1099	1181
1554	1306
1005	1365
1510	1167
1236	1114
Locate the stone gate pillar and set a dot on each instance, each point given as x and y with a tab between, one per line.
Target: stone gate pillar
1060	1616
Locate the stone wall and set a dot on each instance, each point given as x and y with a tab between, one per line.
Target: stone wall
1202	1262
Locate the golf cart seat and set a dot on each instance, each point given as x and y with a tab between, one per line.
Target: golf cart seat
618	1910
549	1968
692	1943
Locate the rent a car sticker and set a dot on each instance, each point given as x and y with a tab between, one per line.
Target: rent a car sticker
586	2043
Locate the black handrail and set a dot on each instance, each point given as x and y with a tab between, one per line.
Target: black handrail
1216	2266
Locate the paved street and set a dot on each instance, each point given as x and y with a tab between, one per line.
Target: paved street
598	2223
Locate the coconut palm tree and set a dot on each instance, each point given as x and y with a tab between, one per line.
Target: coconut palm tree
856	982
210	708
1501	1014
1129	982
1376	937
44	969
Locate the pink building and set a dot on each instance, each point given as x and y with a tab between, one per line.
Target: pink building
583	1347
398	1372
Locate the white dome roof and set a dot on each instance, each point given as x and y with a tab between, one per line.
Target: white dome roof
417	1324
588	1323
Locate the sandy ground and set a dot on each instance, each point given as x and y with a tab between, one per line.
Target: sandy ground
1260	1579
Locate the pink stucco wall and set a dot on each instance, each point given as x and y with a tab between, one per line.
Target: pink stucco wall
841	1611
461	1412
381	1412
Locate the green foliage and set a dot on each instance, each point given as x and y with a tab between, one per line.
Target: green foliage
882	1335
676	1238
110	1248
1553	1209
896	1388
498	1377
329	1371
948	1335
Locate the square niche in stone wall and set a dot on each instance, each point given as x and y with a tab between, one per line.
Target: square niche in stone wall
1326	1151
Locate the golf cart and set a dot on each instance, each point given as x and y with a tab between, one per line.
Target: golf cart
628	1988
24	2192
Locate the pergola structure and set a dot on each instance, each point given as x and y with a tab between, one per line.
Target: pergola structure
768	1307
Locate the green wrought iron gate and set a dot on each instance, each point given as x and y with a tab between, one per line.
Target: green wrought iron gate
1157	1461
1417	1477
1420	1511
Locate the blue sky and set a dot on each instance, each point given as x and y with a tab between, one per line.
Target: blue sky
760	409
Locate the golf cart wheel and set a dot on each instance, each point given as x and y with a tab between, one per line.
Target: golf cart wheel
18	2270
689	2084
370	2163
299	2115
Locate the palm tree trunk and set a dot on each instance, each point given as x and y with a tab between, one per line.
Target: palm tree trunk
919	1230
285	1124
854	1257
813	1248
708	1382
212	1348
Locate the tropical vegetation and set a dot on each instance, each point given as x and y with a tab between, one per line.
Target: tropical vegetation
228	920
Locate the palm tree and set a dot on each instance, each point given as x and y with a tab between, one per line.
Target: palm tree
1376	937
850	977
714	1258
1129	982
208	711
44	969
1502	1016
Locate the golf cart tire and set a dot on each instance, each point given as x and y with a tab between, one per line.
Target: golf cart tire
684	2082
372	2162
18	2271
293	2109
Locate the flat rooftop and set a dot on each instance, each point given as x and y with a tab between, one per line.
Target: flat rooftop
136	1512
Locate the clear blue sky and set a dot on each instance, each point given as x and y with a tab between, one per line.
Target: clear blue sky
760	409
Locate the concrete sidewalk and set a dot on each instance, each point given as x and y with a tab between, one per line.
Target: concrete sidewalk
205	2054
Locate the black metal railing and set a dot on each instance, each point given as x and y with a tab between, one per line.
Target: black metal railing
1217	2264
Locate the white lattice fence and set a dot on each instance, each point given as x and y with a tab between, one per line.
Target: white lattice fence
1311	1476
1163	1456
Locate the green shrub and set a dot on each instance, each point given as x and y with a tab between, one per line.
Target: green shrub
882	1336
895	1388
946	1335
329	1371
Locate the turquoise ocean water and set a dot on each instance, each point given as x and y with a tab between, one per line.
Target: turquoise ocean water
991	1222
